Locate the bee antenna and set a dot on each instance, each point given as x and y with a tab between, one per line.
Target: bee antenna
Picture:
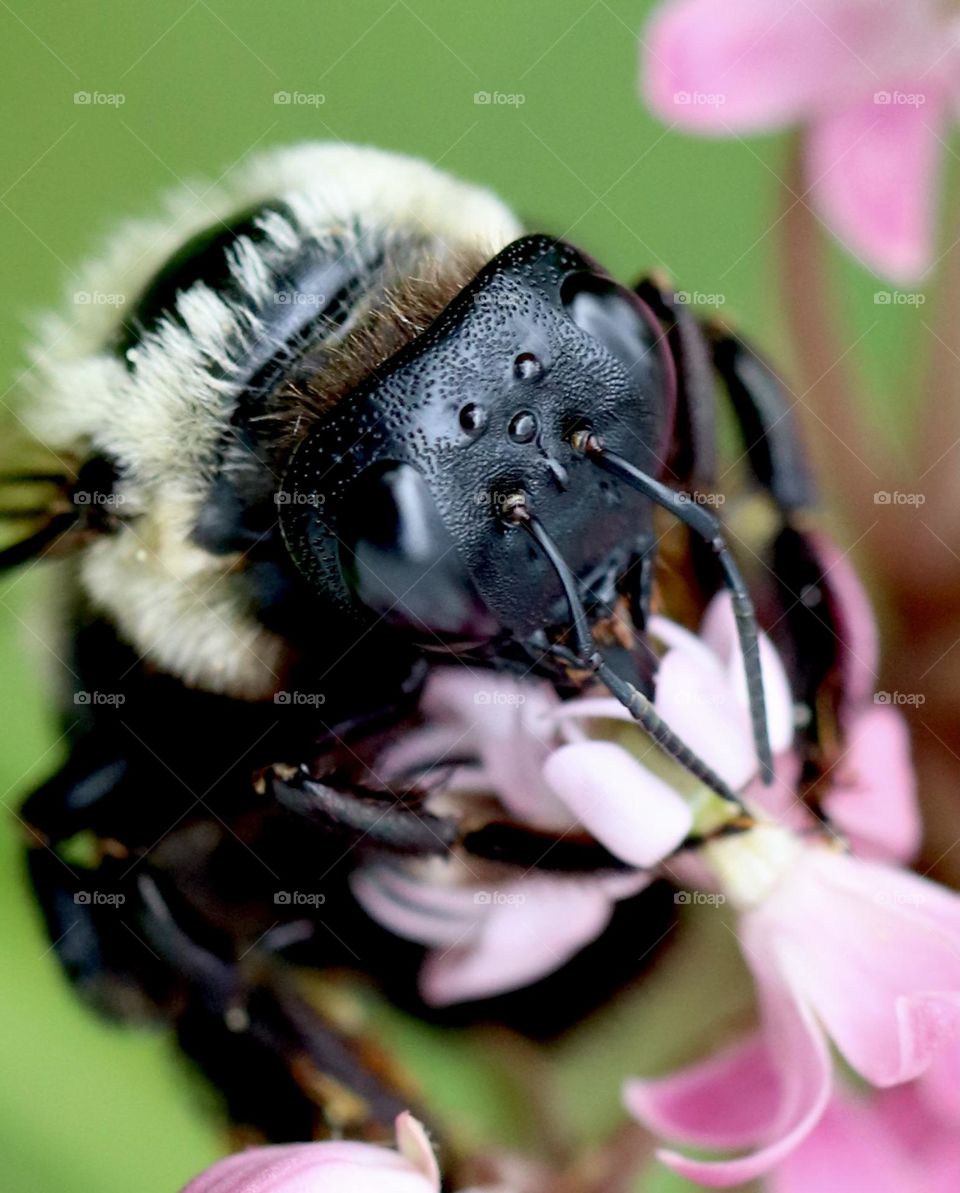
705	524
516	509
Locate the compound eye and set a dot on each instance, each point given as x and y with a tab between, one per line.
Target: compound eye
523	427
473	418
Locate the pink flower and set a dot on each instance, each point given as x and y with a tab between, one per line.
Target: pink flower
488	937
485	941
847	951
335	1167
876	84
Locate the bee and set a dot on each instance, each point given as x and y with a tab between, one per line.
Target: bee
327	423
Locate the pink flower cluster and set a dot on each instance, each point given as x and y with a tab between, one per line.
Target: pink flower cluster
851	953
848	950
875	82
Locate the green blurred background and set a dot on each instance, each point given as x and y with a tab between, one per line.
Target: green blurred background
84	1106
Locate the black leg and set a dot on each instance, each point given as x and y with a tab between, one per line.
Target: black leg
383	821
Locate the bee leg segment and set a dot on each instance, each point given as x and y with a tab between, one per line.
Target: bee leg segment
386	822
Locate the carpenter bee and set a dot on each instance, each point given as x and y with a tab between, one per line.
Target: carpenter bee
338	419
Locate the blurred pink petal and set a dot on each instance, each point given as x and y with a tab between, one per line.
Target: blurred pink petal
623	805
719	632
874	951
786	1088
434	913
334	1167
765	62
859	642
528	930
873	799
884	1143
854	951
872	81
874	172
720	1103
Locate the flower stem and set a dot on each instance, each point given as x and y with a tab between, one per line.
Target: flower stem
849	460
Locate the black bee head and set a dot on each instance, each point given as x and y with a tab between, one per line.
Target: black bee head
398	503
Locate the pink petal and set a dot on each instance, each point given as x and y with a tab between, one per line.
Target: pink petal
850	1149
874	172
433	913
724	1102
940	1085
873	799
786	1090
413	1144
529	931
698	704
858	629
875	952
745	65
719	632
623	805
334	1167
